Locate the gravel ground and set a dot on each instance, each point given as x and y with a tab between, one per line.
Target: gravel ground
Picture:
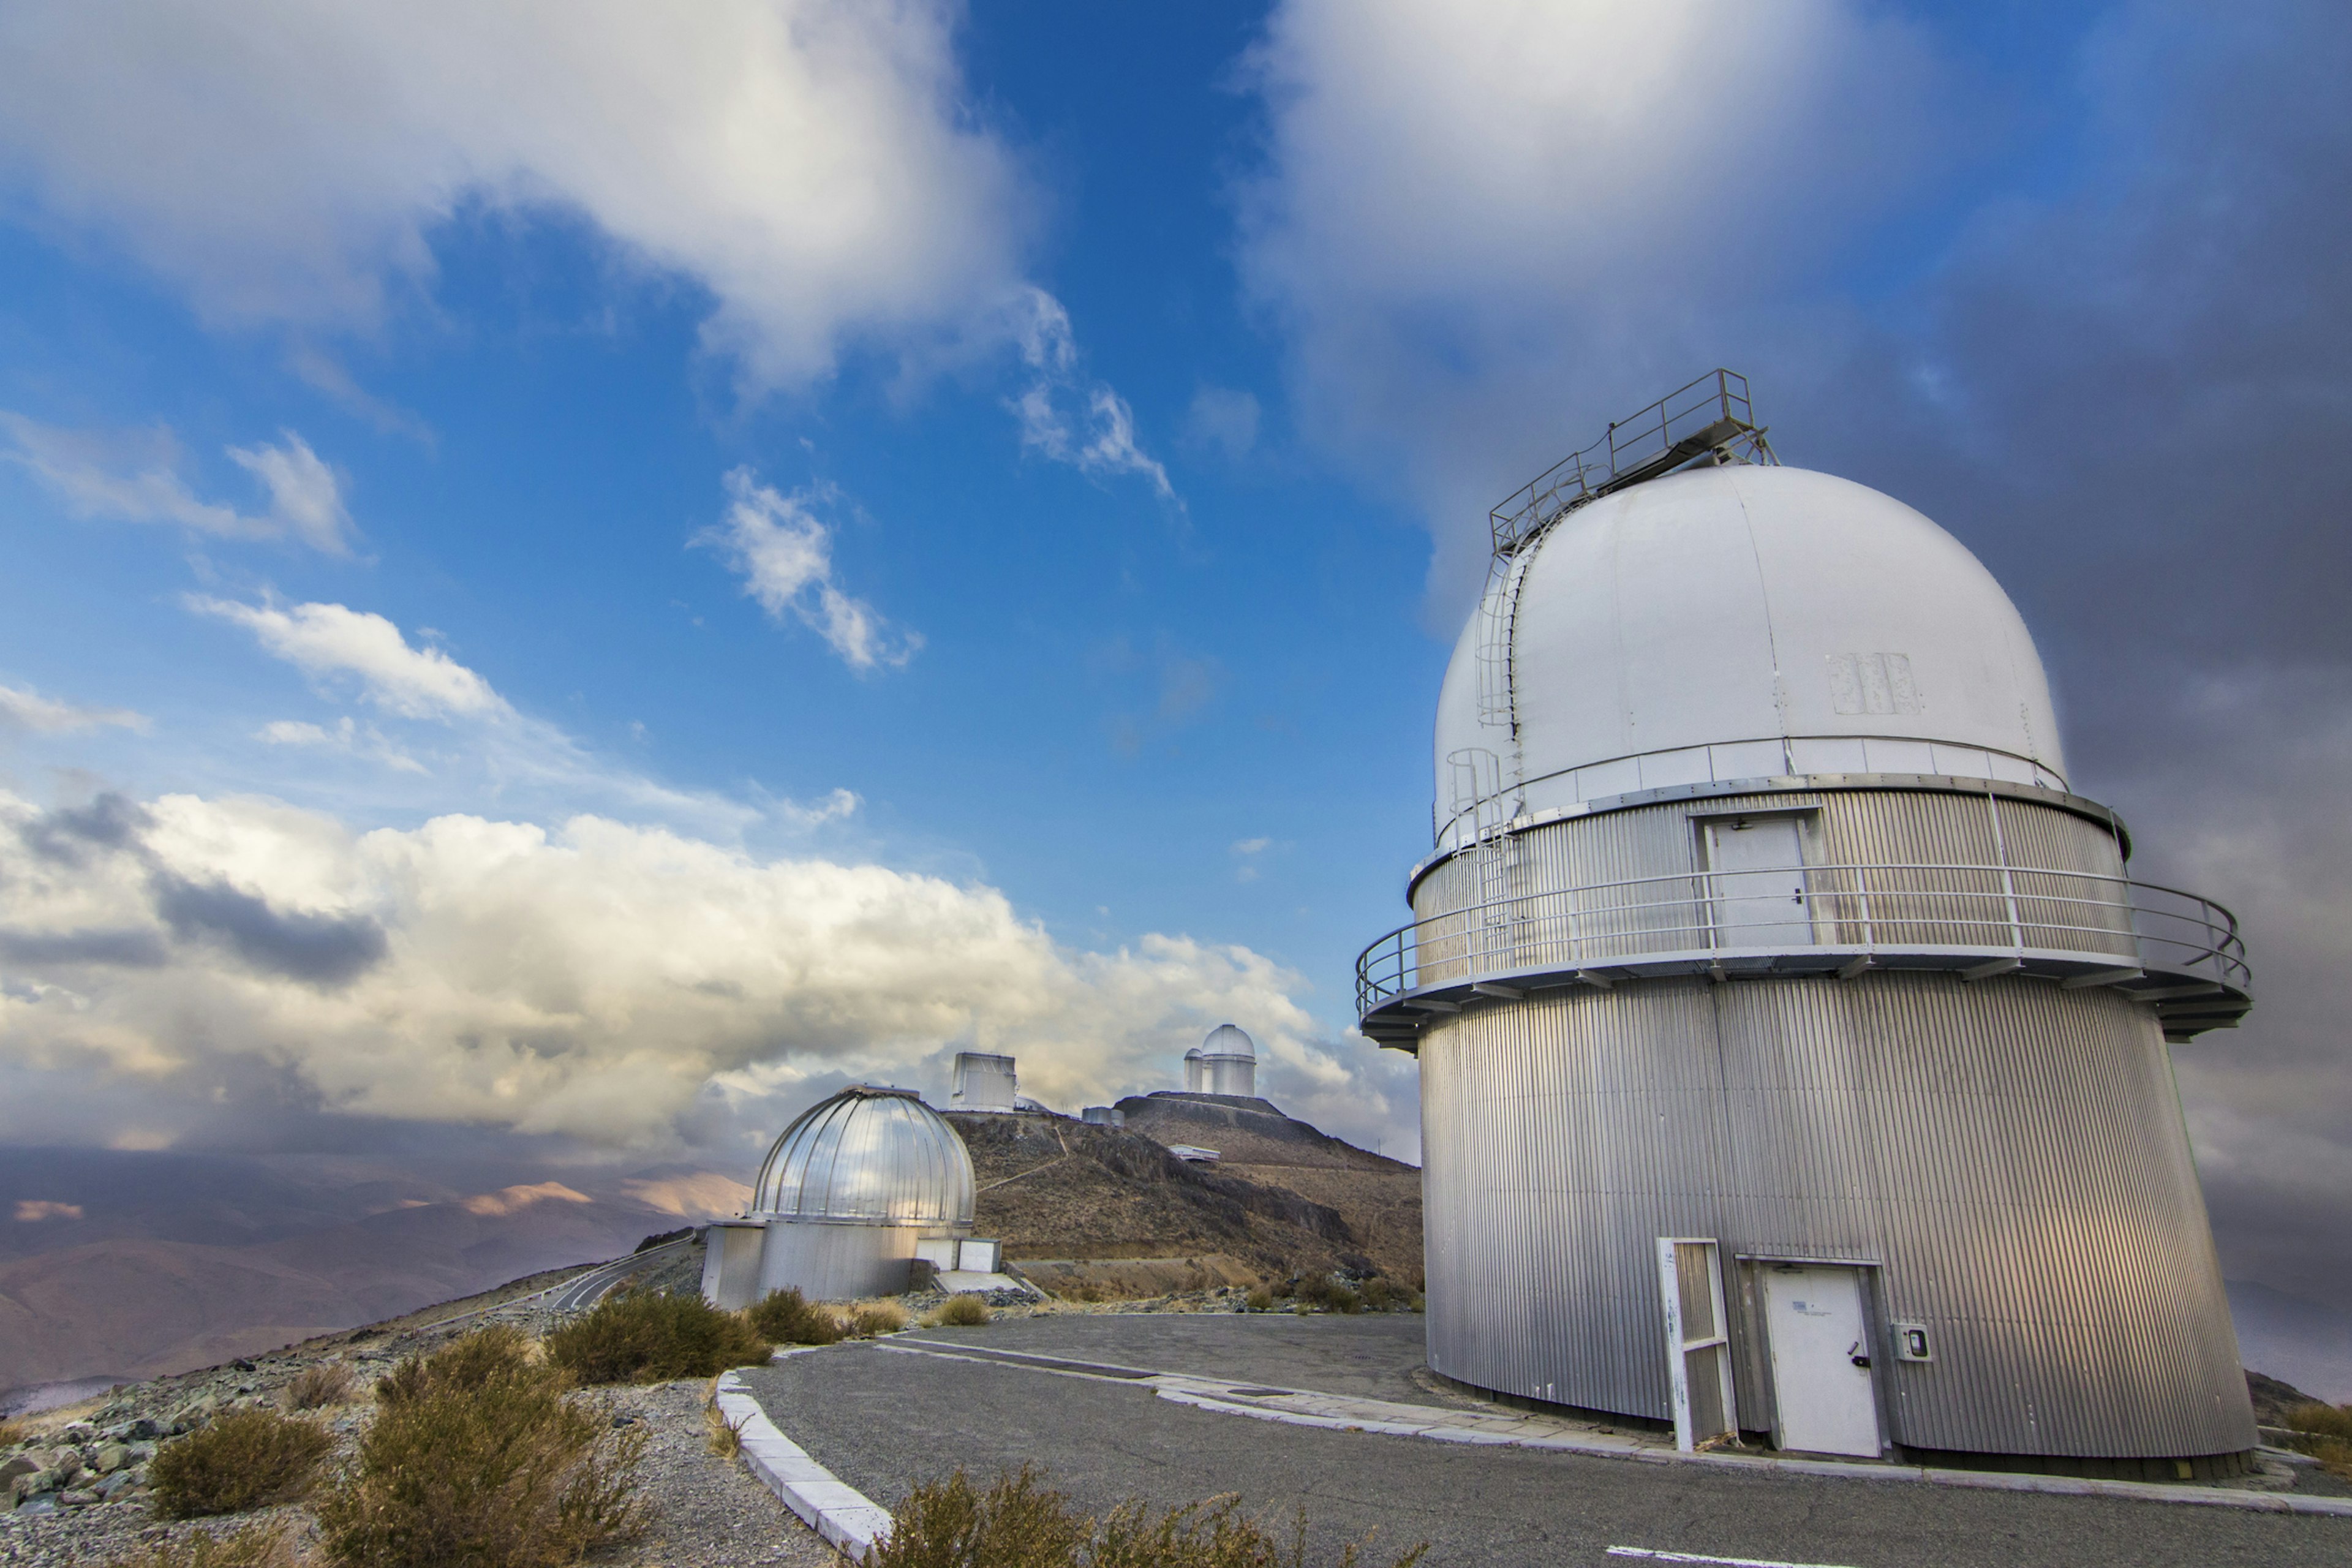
705	1509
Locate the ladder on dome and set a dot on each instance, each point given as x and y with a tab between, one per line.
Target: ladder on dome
1712	420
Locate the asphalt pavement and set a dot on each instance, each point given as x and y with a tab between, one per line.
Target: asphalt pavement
883	1419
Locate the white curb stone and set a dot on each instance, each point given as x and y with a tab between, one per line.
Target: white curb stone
844	1516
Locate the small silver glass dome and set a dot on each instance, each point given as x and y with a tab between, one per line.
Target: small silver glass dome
1226	1040
867	1156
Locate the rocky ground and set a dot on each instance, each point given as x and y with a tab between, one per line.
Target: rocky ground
77	1480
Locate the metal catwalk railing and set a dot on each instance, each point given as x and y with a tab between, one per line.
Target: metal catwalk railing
1958	910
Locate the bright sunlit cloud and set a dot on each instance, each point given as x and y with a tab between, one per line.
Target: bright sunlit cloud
136	477
783	552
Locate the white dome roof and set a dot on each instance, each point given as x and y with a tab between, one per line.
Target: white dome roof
1226	1040
1749	621
872	1156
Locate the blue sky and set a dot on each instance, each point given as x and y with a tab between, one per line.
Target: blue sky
1134	384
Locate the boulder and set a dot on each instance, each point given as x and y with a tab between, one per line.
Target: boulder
110	1458
16	1465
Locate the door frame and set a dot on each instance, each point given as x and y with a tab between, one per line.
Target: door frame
1805	819
1869	1280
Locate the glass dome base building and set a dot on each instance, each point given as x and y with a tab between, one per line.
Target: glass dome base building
844	1197
1794	1045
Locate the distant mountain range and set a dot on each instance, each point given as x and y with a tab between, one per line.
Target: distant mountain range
117	1265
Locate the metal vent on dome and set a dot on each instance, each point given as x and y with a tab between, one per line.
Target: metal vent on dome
1712	418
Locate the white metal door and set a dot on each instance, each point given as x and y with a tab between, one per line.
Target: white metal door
1758	882
1820	1359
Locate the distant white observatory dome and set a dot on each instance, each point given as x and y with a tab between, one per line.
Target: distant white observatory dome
1742	622
1224	1063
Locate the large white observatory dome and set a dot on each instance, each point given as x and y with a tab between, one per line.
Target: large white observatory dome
1746	621
867	1156
1229	1040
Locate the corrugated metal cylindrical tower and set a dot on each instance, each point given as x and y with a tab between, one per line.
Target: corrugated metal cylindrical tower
846	1193
1794	1047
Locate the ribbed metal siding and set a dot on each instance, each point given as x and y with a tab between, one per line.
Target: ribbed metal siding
1878	829
2011	1155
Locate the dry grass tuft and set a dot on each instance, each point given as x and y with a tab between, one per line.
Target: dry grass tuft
239	1461
12	1433
2327	1435
785	1317
644	1336
960	1312
478	1458
867	1319
255	1546
320	1384
1021	1523
726	1436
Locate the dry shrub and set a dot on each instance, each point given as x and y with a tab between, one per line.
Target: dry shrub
1019	1523
255	1546
1261	1299
2325	1434
960	1312
1379	1295
785	1317
645	1336
1326	1294
12	1433
240	1459
867	1319
319	1386
476	1457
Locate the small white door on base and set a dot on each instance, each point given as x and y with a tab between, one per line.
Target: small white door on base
1820	1359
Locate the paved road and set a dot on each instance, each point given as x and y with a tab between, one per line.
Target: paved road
883	1419
579	1295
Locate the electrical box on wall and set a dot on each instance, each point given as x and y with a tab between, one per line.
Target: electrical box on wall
1911	1343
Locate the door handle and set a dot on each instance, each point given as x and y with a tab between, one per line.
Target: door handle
1860	1360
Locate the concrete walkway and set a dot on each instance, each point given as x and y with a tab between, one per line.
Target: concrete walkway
1145	1407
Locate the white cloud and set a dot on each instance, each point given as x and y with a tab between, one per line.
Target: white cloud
592	980
22	708
347	737
1251	845
334	639
813	164
1107	444
135	476
785	555
1482	229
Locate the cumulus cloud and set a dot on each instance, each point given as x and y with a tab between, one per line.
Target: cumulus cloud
22	708
784	553
597	980
329	640
136	477
1066	418
813	165
1482	229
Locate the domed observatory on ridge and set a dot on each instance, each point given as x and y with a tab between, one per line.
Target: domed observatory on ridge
1794	1042
1223	1063
857	1189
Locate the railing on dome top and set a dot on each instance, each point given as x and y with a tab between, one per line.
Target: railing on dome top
1953	912
1712	414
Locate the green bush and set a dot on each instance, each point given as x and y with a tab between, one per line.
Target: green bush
644	1336
964	1310
477	1457
788	1320
255	1546
1019	1523
239	1461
